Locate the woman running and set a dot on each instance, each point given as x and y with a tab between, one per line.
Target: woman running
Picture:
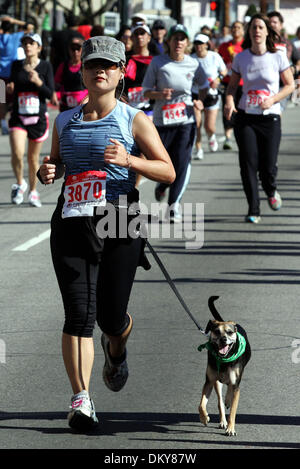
258	125
96	146
168	81
31	82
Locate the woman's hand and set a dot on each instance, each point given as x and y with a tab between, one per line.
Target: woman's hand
229	108
47	171
167	93
215	83
116	154
34	77
10	87
267	103
198	104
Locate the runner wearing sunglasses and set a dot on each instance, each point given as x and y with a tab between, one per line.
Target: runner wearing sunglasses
96	146
70	88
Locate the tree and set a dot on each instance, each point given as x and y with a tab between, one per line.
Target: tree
251	10
87	12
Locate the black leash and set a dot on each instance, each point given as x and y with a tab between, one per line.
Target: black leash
172	285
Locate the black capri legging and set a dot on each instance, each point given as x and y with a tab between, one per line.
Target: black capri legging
258	138
91	290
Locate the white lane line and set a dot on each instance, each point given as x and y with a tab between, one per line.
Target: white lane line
33	241
46	234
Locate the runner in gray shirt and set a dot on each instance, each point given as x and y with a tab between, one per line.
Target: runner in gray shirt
168	81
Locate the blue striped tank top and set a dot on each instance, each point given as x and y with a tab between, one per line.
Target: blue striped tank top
82	144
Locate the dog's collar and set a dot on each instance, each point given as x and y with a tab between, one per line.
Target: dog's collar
241	349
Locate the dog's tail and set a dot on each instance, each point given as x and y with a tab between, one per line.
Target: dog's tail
212	308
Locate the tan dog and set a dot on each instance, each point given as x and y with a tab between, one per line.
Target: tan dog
228	353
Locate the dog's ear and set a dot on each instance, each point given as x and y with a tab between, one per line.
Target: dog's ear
234	325
208	327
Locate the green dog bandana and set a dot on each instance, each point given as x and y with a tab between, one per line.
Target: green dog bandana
241	349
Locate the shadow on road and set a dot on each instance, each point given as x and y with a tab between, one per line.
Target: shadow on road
117	423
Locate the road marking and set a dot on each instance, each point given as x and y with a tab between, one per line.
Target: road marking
33	241
46	234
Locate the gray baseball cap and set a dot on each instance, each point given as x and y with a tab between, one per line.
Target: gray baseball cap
103	47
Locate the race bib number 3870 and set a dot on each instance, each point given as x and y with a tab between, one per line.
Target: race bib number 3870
83	192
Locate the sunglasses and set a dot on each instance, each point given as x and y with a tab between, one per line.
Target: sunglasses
75	47
103	64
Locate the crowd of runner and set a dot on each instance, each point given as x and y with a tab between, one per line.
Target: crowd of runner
24	115
131	107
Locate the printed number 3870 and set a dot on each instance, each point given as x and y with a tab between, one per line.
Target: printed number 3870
81	192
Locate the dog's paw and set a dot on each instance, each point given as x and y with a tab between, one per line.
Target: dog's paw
204	418
230	431
223	425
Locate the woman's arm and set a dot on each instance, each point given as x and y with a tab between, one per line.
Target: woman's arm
157	165
229	107
13	20
52	167
166	93
288	87
44	82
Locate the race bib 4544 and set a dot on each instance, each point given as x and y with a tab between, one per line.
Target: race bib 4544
174	113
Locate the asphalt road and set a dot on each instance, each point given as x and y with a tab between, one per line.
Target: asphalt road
253	269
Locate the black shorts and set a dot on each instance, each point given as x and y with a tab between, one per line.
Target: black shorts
94	288
38	132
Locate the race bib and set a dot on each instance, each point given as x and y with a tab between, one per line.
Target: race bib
83	192
72	98
28	102
254	100
174	113
136	97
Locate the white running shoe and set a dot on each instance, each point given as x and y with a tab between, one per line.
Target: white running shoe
34	199
253	219
198	154
213	144
17	192
83	415
275	202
